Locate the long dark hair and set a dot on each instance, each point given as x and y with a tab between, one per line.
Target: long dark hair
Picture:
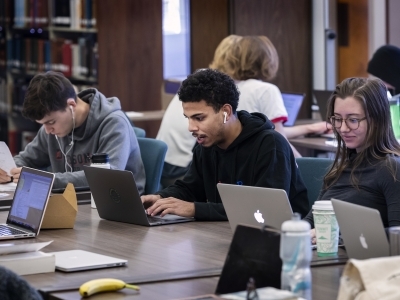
380	141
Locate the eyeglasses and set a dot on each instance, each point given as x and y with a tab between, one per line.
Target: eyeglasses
352	123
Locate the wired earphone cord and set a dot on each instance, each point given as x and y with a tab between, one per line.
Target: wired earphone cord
70	144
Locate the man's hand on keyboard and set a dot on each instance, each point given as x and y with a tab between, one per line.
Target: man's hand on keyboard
171	206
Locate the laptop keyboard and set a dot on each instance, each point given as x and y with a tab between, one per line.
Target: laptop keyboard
5	231
154	219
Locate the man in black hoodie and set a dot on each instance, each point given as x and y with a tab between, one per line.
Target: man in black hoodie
233	147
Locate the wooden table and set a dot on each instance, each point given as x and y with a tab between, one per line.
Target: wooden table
308	146
168	262
145	115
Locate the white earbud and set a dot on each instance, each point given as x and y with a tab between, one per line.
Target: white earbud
72	112
225	114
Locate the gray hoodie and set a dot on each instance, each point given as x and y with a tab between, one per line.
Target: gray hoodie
106	130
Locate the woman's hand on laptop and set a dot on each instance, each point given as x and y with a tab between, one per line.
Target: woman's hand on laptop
171	206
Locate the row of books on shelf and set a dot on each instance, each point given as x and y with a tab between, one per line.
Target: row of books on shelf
75	60
75	14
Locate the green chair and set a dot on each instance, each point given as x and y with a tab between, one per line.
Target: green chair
140	133
313	170
153	154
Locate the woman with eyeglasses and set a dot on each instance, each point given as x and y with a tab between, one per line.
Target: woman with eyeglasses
366	169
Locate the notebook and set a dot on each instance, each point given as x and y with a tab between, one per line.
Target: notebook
322	98
254	206
253	253
361	229
117	198
292	102
28	205
79	260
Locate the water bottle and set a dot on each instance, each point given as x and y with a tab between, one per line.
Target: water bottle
99	160
295	252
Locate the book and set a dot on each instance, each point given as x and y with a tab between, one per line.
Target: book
25	258
29	263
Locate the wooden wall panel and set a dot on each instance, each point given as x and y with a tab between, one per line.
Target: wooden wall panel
287	24
130	54
353	56
209	25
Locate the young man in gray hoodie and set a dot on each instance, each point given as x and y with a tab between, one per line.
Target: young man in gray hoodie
73	128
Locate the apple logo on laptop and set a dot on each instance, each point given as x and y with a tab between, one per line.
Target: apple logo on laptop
258	216
363	241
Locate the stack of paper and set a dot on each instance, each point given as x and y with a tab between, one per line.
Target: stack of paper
25	258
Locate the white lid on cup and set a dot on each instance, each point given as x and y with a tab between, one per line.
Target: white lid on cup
322	205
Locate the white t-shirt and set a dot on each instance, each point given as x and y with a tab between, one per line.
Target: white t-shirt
263	97
174	132
255	96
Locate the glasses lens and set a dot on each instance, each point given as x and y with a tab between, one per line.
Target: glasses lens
350	123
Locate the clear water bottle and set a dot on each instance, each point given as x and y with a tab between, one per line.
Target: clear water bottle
295	252
99	160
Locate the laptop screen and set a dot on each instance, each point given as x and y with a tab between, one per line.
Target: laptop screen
30	199
322	98
292	102
394	104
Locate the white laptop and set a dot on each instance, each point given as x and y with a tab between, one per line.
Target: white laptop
80	260
292	102
361	229
117	198
254	206
28	205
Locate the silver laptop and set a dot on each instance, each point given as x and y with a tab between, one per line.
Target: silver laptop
28	205
80	260
254	206
292	102
361	229
117	198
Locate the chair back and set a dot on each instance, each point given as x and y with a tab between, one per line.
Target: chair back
313	170
153	154
140	132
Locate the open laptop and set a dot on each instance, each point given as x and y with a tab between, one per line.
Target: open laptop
80	260
117	198
361	229
28	205
292	102
254	206
322	98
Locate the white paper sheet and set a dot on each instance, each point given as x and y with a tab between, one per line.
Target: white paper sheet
6	159
9	248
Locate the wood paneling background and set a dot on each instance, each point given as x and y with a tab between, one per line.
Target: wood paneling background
130	54
353	56
286	22
209	23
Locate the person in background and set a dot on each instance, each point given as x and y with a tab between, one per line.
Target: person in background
366	169
251	61
234	147
73	128
385	65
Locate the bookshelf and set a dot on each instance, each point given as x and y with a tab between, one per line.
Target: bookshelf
39	36
125	44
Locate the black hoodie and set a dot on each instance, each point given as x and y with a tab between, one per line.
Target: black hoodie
259	156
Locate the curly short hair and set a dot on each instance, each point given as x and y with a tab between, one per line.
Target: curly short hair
212	86
46	93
